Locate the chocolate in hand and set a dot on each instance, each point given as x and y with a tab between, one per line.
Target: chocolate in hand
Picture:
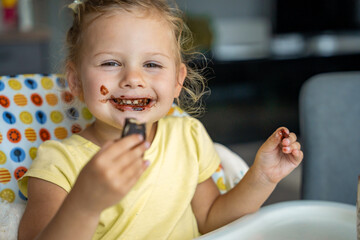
133	127
284	134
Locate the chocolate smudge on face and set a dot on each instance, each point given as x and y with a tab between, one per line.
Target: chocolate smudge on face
103	90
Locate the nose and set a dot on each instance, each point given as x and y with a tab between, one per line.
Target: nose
133	78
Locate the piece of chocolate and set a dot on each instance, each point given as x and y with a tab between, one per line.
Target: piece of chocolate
132	126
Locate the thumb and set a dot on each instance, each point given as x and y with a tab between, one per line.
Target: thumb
275	139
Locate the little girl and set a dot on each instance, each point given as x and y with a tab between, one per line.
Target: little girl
126	59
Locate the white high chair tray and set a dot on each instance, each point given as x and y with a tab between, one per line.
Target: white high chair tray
295	220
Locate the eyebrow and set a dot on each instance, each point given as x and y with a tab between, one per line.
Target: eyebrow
149	54
108	53
158	53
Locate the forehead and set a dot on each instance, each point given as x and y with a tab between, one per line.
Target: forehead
134	11
117	21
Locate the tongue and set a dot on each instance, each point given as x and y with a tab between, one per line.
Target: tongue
138	108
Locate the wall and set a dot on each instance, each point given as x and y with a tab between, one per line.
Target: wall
59	17
227	8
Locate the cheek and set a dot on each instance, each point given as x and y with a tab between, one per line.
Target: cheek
93	91
92	82
170	93
166	87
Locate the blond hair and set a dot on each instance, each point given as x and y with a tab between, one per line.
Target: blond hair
194	86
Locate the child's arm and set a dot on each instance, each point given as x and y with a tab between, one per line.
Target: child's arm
276	158
53	214
44	201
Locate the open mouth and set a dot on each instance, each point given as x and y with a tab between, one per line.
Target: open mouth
139	104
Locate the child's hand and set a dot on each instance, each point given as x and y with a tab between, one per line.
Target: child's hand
278	156
111	173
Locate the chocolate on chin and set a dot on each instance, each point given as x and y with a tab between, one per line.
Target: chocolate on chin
132	126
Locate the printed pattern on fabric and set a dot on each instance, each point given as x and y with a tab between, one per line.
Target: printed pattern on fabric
33	108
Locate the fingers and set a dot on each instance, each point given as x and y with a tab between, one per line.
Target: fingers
291	146
134	170
275	139
286	140
117	156
129	169
121	172
112	149
134	155
289	139
298	154
283	132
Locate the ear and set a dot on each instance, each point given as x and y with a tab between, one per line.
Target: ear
74	82
180	79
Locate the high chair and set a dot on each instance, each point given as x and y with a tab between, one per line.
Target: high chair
35	108
330	130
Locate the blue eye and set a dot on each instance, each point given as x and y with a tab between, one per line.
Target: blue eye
110	64
152	65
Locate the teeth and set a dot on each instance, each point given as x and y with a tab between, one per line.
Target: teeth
136	102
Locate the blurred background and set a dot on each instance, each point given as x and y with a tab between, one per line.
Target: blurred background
259	52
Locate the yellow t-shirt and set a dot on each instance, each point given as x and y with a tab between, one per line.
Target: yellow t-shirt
158	206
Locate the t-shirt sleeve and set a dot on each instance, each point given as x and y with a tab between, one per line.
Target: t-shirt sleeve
208	159
51	164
